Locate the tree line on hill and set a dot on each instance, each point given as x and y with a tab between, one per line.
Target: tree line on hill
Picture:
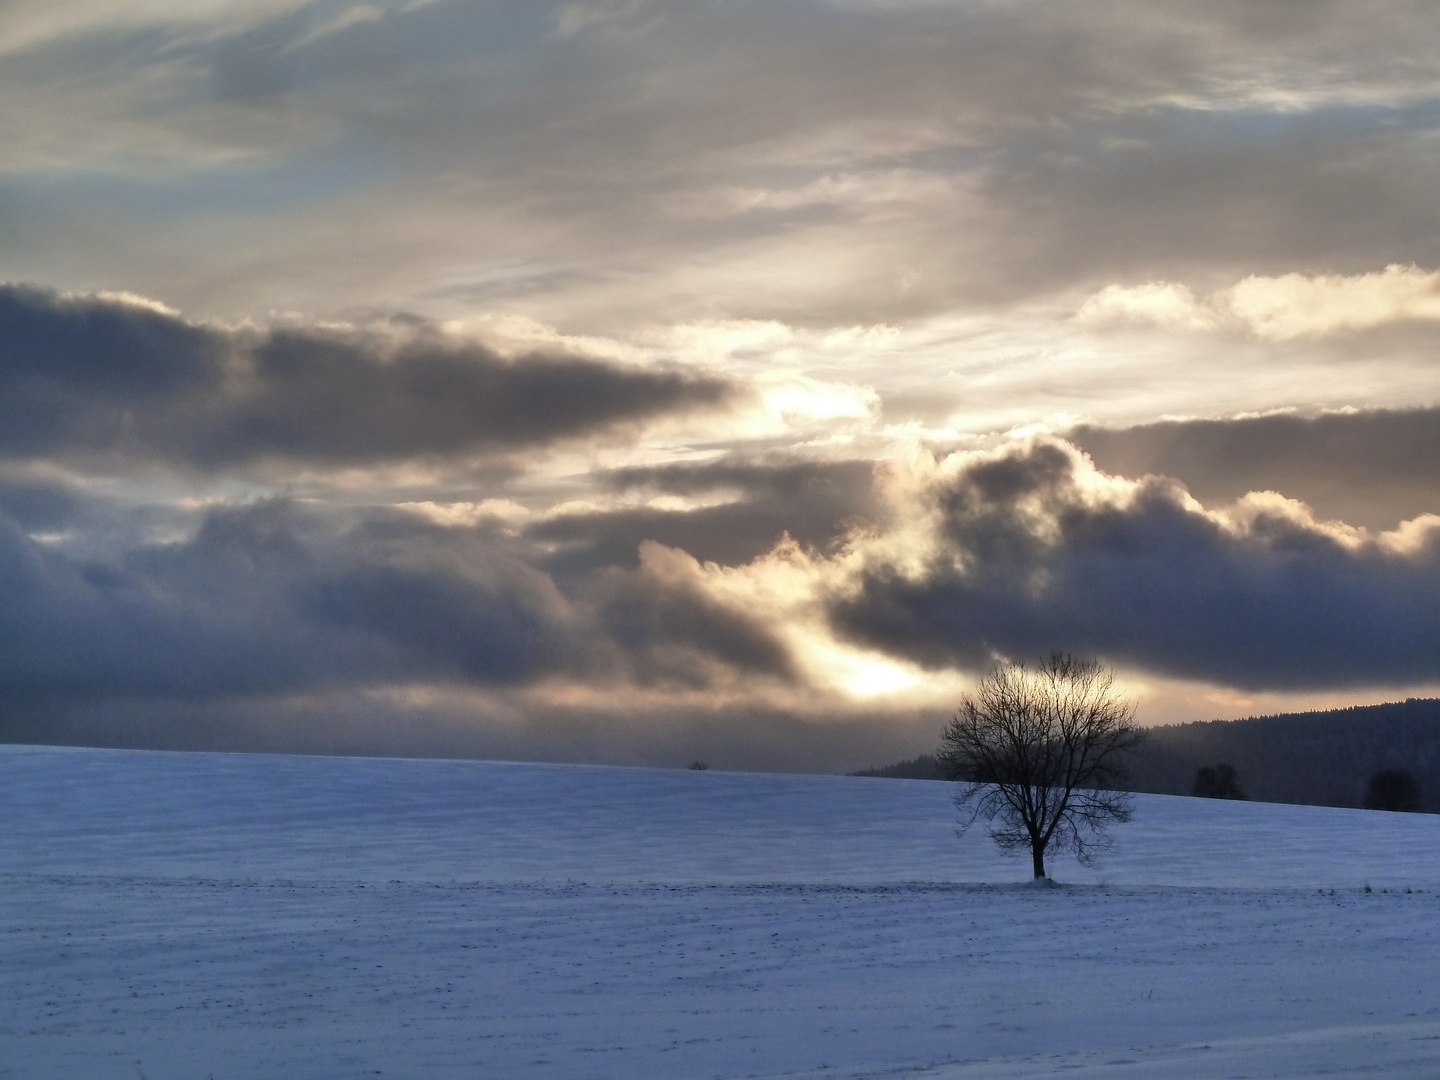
1385	756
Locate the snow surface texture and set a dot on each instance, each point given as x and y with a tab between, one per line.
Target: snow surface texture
184	916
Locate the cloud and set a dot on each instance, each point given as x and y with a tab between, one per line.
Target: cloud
36	504
873	189
1161	303
1030	549
1210	194
1277	308
466	631
1296	305
672	631
32	21
756	503
276	598
881	161
82	630
670	259
1375	467
495	624
113	378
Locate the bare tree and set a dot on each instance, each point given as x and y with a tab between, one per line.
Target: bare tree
1039	754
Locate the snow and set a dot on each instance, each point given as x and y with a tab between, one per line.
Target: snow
183	916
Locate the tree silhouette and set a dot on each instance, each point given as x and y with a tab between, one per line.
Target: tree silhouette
1217	782
1393	789
1038	754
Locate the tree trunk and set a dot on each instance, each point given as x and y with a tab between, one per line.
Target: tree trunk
1037	856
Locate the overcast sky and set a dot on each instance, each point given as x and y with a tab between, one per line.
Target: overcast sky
644	381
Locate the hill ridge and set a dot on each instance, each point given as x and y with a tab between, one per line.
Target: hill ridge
1321	757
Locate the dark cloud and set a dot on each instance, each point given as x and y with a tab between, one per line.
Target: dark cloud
1033	560
274	598
269	598
510	626
75	630
340	398
73	371
113	378
816	503
38	505
839	482
1374	468
672	633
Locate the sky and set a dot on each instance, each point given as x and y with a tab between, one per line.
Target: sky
648	381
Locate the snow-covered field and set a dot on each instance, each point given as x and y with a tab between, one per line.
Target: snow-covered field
184	916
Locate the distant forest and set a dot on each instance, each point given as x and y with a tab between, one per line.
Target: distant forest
1319	758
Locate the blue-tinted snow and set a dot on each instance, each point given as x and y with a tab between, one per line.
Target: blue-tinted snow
308	818
234	916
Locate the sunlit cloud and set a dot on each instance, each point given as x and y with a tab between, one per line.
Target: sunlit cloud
1296	305
1161	303
458	515
1276	308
